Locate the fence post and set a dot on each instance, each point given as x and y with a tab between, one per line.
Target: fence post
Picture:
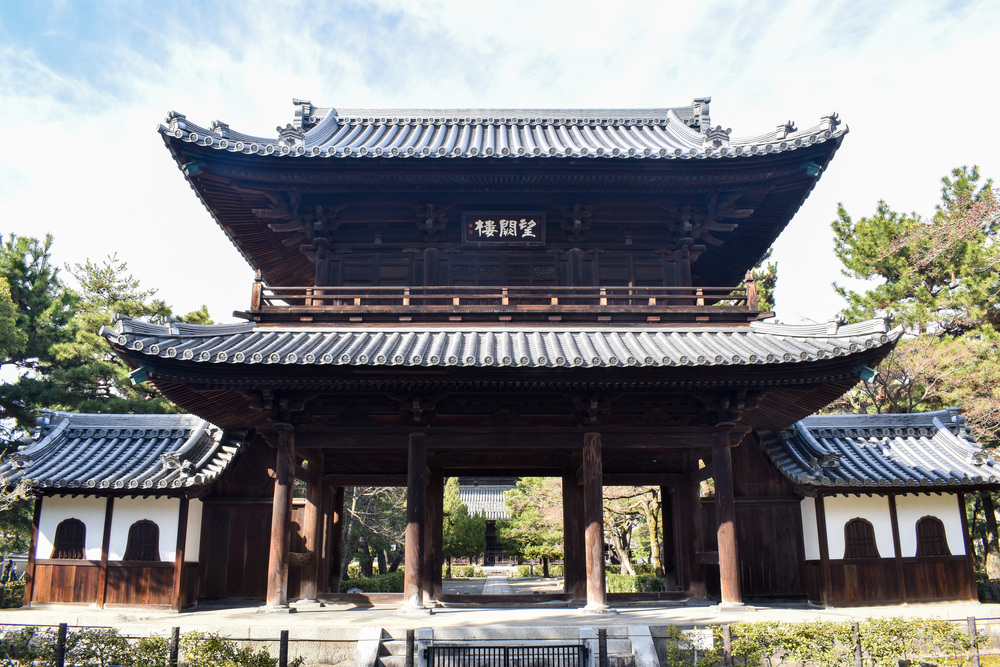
283	649
856	630
409	647
61	646
727	645
175	641
602	647
972	637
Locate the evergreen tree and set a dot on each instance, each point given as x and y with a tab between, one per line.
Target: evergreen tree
939	277
464	533
535	529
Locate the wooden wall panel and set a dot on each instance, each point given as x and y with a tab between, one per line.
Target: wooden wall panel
65	581
938	578
137	583
234	549
769	538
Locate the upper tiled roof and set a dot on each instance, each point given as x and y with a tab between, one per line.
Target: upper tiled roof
673	133
760	343
125	453
485	499
932	449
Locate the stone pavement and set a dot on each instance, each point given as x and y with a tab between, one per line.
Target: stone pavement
496	585
243	619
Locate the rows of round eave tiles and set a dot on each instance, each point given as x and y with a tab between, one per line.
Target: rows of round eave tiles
264	147
490	350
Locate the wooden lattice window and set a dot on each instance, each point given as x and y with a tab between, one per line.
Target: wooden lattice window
71	536
931	539
143	541
859	539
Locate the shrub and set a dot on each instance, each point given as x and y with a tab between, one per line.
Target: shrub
627	583
467	571
391	582
13	594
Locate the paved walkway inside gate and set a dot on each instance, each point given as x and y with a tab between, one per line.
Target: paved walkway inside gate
496	585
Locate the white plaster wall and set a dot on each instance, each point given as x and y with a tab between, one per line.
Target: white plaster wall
810	531
161	511
912	508
841	509
192	543
89	510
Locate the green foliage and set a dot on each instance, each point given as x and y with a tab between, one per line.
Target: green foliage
765	277
938	275
391	582
12	339
633	583
466	571
535	529
676	649
207	649
464	533
536	571
12	594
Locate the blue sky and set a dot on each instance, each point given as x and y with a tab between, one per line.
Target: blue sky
83	85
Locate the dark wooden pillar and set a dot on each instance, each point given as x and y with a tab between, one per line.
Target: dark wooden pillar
29	572
434	537
416	491
826	582
725	511
177	598
669	550
312	528
593	509
575	562
281	515
897	549
335	537
102	576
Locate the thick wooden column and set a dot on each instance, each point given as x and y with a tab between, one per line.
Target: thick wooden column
416	491
725	512
102	577
593	509
434	537
575	568
281	516
335	537
177	597
312	529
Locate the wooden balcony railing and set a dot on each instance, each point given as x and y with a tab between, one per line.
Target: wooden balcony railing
479	304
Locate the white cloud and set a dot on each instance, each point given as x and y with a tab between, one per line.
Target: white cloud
82	160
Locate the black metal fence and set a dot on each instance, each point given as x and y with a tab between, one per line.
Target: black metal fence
557	655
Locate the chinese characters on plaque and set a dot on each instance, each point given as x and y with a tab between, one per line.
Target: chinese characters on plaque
510	228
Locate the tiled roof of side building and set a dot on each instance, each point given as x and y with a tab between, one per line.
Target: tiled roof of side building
924	450
669	133
595	347
121	453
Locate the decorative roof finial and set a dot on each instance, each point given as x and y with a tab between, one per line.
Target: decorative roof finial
305	117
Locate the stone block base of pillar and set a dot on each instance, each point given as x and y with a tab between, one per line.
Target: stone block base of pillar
733	607
275	609
597	609
412	610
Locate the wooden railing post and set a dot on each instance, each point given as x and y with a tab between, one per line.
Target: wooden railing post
256	292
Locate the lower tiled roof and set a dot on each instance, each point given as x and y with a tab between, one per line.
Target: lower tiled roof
124	453
932	449
596	347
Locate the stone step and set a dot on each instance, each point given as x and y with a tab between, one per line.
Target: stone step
393	647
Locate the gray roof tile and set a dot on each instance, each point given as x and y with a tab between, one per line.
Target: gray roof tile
673	133
123	453
927	450
485	499
759	343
